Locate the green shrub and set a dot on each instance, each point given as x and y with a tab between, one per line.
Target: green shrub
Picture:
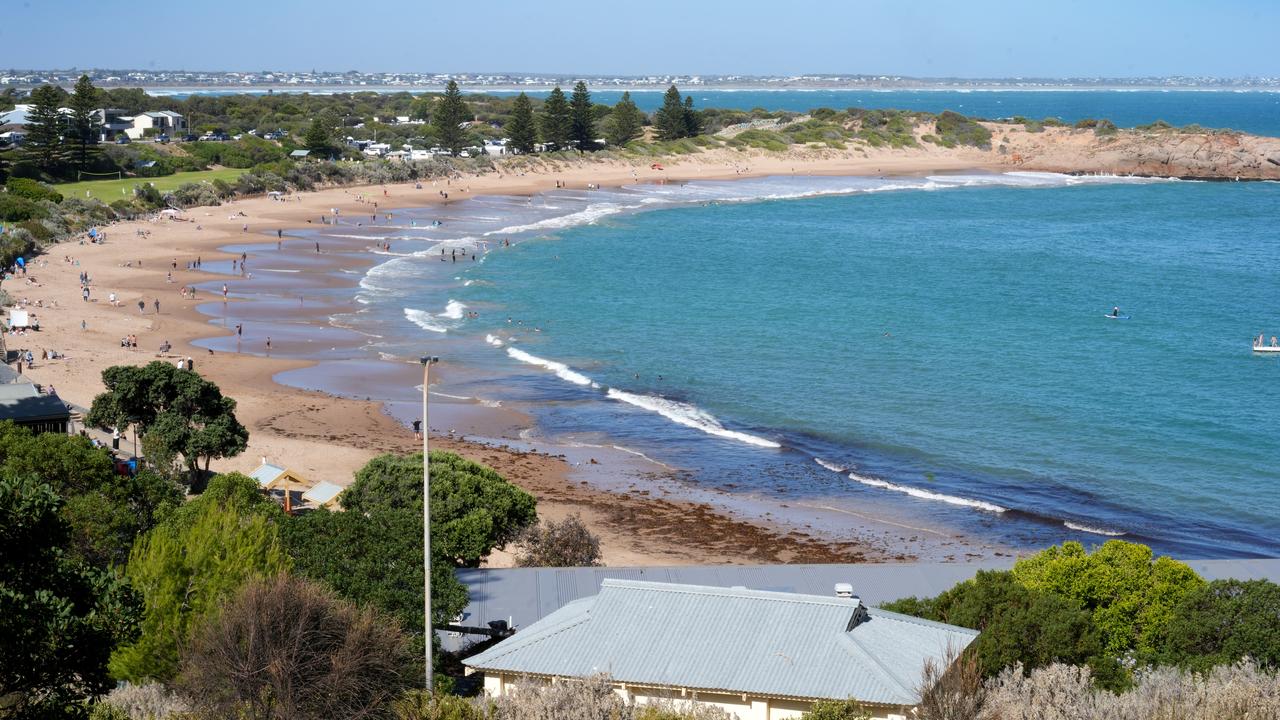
14	208
15	244
38	231
956	129
837	710
1104	127
32	190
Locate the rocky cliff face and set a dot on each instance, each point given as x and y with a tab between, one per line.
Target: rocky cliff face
1162	152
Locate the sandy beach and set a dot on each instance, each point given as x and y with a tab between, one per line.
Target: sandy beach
326	437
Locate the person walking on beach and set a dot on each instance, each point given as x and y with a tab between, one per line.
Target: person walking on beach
417	429
239	331
84	293
157	304
317	247
142	306
224	292
268	345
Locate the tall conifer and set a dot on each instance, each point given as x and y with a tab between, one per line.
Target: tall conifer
448	119
557	121
625	122
84	125
583	122
670	118
692	119
45	127
522	131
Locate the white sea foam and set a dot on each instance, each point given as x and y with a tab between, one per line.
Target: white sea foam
1094	530
829	465
424	320
927	494
687	415
492	340
562	371
586	216
453	310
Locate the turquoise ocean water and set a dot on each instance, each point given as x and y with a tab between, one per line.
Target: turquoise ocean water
930	348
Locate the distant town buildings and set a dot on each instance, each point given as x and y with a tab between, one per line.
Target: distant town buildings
419	81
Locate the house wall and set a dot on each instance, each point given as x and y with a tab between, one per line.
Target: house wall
750	708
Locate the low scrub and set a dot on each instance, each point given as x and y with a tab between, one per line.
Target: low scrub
31	190
954	129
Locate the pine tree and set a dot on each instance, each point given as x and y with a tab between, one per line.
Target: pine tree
317	138
692	119
625	123
84	125
45	127
448	118
557	122
670	118
522	131
583	123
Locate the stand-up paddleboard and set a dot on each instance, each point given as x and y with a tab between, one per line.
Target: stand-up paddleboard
1266	349
1109	316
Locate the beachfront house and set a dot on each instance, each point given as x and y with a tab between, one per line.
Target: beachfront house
759	655
112	122
161	122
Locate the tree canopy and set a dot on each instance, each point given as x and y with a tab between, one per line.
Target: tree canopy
1222	622
1131	595
46	127
181	414
557	120
59	619
451	112
582	132
625	123
84	125
189	564
522	131
670	120
313	655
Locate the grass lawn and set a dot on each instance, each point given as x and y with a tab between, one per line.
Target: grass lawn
108	190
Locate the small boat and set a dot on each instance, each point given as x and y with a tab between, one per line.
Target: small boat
1266	349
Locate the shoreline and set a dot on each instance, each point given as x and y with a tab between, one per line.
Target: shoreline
328	437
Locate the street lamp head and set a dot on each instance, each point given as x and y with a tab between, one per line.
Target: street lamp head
428	359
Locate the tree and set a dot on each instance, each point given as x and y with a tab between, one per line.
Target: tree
670	120
522	132
557	120
473	509
625	123
1132	597
84	125
567	543
420	108
1223	622
449	116
317	138
59	619
692	120
1018	625
178	412
185	568
313	656
46	126
105	510
582	123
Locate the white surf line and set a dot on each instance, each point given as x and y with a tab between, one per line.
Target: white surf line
1095	531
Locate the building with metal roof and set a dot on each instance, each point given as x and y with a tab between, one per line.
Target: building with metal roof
323	494
522	596
757	654
25	405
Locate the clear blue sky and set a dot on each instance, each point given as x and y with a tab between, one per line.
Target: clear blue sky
965	38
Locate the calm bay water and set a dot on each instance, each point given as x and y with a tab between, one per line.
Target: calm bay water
932	349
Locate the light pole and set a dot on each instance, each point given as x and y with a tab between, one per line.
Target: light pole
427	361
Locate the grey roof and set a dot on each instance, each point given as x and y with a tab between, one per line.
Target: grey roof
524	595
266	473
22	402
300	153
730	639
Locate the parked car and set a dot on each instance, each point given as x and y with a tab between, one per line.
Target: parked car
122	140
162	138
189	138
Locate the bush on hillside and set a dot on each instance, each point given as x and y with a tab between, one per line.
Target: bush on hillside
31	190
954	129
14	208
567	543
1224	622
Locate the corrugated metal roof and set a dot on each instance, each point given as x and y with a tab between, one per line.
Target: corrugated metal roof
525	595
322	492
733	639
266	474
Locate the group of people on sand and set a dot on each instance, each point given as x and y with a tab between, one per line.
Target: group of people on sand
1260	341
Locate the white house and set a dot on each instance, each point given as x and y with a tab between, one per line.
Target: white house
759	655
163	121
